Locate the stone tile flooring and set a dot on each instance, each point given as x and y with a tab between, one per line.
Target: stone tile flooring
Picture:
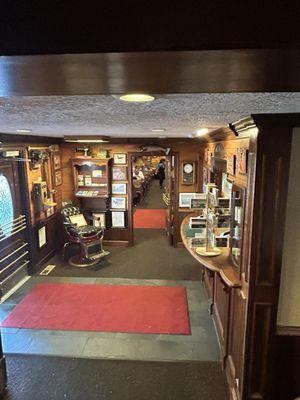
201	345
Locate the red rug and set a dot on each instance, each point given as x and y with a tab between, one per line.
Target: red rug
149	218
103	308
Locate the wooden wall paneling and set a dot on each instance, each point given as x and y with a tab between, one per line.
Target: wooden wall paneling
272	168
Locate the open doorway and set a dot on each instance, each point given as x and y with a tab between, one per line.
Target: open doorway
153	177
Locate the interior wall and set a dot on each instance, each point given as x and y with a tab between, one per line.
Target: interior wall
289	296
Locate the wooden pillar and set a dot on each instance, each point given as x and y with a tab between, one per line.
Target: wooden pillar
273	146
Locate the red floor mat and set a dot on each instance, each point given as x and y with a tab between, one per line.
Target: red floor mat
149	218
103	308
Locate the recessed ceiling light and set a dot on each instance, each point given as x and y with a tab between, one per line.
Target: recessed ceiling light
23	130
202	131
158	130
137	97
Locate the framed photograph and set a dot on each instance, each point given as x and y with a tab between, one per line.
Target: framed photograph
118	219
198	204
57	178
118	202
56	161
120	158
119	173
42	237
185	199
99	220
119	188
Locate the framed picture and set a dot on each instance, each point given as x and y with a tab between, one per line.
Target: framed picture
241	160
185	199
118	219
118	188
56	161
57	178
118	202
42	237
99	220
120	158
119	173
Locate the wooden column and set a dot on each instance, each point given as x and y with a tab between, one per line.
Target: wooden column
272	146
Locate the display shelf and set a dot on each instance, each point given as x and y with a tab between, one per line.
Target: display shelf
221	263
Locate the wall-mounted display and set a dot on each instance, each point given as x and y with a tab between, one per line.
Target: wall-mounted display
185	199
57	178
118	202
119	188
119	173
188	173
120	158
118	219
241	160
231	164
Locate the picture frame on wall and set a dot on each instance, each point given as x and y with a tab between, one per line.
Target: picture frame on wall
118	203
231	164
185	199
57	178
119	173
118	219
119	188
120	158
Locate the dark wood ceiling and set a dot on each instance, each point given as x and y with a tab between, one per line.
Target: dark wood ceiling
55	26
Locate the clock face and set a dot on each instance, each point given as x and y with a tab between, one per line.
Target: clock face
188	168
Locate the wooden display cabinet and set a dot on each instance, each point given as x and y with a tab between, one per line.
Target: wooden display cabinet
237	223
92	177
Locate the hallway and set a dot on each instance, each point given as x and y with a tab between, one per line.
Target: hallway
116	365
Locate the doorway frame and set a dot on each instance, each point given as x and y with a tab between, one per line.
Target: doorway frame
130	197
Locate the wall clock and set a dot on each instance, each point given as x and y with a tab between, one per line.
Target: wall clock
188	173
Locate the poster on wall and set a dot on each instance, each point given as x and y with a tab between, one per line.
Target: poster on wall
120	158
118	202
118	219
241	160
119	173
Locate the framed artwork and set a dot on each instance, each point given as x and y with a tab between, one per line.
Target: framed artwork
120	158
119	173
231	164
118	188
42	237
118	202
56	161
57	178
185	199
207	157
118	219
99	220
241	160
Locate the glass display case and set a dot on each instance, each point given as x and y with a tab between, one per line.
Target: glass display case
236	229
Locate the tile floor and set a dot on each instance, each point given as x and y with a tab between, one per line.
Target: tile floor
201	345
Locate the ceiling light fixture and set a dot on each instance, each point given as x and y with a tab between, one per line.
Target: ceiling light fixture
137	97
158	130
23	130
202	132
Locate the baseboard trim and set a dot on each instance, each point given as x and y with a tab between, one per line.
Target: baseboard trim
288	330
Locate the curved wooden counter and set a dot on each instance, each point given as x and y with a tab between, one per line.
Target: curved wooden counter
221	264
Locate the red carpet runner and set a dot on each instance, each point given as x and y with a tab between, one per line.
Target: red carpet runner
103	308
149	218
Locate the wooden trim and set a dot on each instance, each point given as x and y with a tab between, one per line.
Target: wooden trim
288	330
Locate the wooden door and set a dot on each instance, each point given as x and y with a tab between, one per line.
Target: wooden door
13	245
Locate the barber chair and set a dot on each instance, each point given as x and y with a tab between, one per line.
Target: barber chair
88	237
